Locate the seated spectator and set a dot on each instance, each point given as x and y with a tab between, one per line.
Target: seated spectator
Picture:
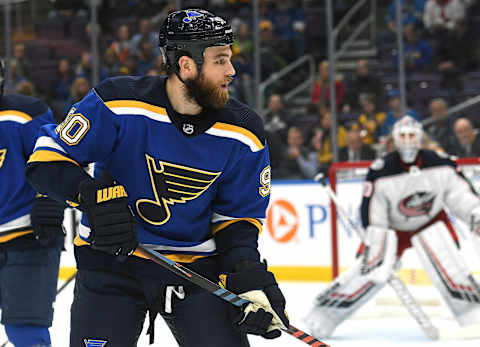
289	23
441	16
26	88
145	33
356	150
23	64
418	52
363	83
110	62
394	113
17	77
243	41
321	87
145	57
441	128
295	154
455	56
370	121
80	88
62	83
277	120
412	13
468	139
121	45
85	68
272	50
325	154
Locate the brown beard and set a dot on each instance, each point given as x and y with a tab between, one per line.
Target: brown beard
205	93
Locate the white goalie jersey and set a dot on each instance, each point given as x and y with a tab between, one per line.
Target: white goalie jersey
409	197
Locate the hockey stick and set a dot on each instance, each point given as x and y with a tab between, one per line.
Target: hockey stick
394	281
59	290
217	290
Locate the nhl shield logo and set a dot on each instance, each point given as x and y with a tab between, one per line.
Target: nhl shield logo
188	128
94	343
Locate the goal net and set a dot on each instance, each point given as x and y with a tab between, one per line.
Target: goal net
346	179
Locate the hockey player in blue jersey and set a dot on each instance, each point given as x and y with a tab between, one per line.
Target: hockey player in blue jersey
188	176
31	234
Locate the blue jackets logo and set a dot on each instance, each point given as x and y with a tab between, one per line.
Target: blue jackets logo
94	343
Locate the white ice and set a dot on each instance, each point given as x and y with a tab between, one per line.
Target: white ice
392	330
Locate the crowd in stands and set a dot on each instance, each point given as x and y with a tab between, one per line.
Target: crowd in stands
441	61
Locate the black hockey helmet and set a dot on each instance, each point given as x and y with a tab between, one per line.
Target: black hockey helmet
190	32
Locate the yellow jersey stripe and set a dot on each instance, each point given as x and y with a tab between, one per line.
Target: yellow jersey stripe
240	130
136	104
12	236
181	258
47	156
223	225
14	115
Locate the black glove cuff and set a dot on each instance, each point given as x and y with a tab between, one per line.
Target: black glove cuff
255	276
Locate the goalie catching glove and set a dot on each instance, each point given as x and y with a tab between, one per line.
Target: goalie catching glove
113	228
265	314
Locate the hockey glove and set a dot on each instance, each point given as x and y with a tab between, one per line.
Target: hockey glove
47	220
113	228
265	314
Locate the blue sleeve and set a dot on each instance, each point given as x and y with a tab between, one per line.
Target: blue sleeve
240	207
30	130
88	134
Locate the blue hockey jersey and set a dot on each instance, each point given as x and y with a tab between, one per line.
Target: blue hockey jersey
187	177
20	120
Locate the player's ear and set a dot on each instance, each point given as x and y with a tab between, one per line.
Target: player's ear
187	66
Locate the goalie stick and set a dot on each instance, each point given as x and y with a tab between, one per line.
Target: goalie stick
394	281
217	290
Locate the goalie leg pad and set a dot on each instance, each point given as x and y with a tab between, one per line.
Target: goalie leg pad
380	255
448	272
340	300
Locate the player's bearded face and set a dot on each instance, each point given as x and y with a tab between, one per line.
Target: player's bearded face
207	93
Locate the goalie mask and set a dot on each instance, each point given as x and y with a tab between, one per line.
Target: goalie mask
407	136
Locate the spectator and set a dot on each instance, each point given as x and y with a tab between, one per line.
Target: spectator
145	33
418	52
455	55
159	65
370	121
296	153
355	150
84	68
441	16
23	64
17	77
363	83
289	24
441	128
321	87
62	83
26	88
146	56
325	154
110	62
272	49
277	120
121	45
243	43
394	113
412	14
80	88
468	139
